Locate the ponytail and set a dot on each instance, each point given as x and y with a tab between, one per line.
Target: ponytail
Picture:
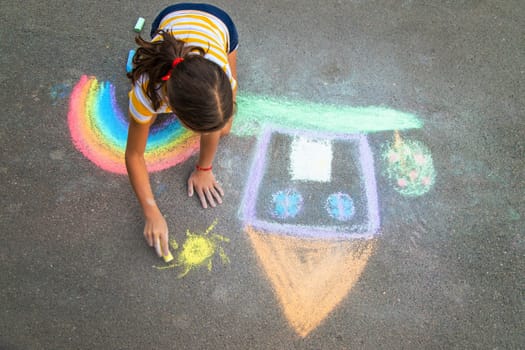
155	59
198	90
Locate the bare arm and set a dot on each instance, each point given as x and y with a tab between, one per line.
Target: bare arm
156	229
232	60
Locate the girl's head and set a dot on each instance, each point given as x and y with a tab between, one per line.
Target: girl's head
199	92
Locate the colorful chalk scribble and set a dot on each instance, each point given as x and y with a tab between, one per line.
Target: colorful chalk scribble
99	128
198	250
355	157
99	131
311	265
409	166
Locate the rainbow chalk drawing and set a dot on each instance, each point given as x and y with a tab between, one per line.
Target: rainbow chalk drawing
198	250
99	131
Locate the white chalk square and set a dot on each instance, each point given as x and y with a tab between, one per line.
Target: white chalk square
311	160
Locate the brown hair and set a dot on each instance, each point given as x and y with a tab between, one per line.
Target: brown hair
199	91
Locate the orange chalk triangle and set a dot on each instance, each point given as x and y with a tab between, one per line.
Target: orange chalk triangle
310	277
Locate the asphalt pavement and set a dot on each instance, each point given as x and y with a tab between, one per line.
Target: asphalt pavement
374	183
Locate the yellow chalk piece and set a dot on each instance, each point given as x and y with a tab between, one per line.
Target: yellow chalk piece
168	258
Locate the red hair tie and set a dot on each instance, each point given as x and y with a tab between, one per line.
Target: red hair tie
175	62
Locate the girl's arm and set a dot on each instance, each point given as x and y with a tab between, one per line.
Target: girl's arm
232	61
156	228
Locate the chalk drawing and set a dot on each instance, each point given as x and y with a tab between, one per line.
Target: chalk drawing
99	131
513	214
254	112
198	250
365	189
310	160
59	92
409	166
312	259
99	128
309	277
312	228
340	206
286	204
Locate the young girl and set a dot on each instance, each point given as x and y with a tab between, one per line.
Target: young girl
189	68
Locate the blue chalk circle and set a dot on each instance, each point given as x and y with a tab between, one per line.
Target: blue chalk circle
286	204
129	64
340	206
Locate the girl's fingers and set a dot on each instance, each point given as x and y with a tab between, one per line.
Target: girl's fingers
217	195
209	197
147	237
157	246
165	246
219	188
202	198
190	188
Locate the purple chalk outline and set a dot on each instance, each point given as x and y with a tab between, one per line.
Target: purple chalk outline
248	204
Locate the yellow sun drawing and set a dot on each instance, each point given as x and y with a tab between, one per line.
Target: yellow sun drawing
198	250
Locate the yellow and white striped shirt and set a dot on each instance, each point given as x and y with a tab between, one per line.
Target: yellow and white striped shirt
195	28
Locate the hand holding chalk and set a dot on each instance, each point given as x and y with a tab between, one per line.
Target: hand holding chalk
162	252
156	233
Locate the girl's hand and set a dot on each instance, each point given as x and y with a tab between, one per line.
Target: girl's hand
207	188
156	233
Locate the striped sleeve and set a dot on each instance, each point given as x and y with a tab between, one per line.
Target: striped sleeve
140	107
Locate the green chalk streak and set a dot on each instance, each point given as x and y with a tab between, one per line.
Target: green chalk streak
254	111
513	214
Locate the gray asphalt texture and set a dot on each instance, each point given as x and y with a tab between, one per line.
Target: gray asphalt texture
448	270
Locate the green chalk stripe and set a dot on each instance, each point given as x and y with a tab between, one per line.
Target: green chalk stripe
255	111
